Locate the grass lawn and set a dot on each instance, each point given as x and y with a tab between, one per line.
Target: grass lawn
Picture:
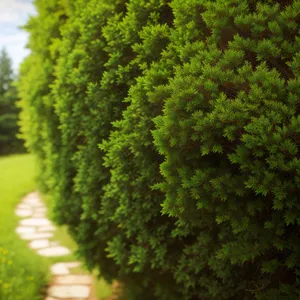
23	274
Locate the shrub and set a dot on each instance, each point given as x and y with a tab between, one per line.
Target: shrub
229	135
170	143
39	123
103	68
82	74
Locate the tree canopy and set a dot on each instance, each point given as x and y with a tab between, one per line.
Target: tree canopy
9	143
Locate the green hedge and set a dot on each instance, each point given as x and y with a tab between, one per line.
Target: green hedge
167	133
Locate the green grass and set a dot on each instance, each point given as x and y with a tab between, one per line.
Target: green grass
23	274
102	288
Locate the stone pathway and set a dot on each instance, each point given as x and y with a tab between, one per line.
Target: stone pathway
38	231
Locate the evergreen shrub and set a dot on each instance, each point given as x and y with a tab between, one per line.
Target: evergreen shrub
229	134
167	133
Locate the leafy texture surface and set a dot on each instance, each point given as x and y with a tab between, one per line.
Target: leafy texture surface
168	135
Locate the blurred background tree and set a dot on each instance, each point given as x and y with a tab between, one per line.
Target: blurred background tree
9	143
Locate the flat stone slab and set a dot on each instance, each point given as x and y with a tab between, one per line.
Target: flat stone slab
35	222
25	229
63	268
23	206
54	251
66	292
32	204
59	269
23	212
39	244
29	202
73	280
36	236
32	197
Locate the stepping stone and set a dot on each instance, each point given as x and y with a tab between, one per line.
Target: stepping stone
23	206
73	279
36	236
33	202
59	269
35	222
22	212
48	228
32	194
39	244
32	199
63	268
54	251
66	292
23	229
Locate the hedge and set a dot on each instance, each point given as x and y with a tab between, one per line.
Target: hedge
167	133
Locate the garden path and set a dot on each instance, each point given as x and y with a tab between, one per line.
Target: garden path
37	229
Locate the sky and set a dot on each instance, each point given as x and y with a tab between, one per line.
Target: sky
14	13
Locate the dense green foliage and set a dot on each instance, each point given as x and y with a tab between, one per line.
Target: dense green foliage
23	274
167	133
8	110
